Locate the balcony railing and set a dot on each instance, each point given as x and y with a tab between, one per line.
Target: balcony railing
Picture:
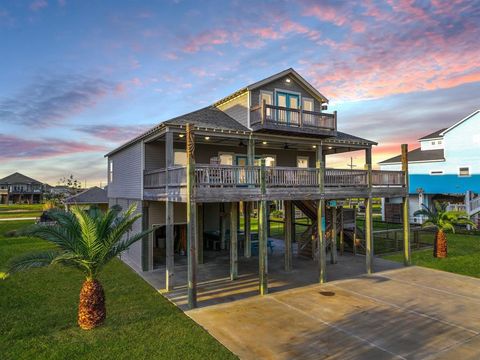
228	176
283	117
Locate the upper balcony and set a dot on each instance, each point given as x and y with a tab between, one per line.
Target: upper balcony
266	117
220	183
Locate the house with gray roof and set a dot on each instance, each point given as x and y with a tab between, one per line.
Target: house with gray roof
193	176
93	196
446	167
17	188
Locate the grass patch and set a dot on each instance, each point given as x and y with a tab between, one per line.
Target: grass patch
25	207
23	214
39	310
463	256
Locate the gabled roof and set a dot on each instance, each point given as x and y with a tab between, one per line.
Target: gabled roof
440	133
434	135
274	77
94	195
17	178
417	155
460	122
207	117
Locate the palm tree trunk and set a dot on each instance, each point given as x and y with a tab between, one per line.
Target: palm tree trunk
440	245
91	309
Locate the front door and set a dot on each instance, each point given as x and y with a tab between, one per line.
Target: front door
290	101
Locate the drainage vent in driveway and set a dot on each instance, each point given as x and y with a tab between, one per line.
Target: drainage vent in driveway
327	293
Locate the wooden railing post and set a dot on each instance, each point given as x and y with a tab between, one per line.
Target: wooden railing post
191	220
263	234
407	259
264	111
335	120
300	116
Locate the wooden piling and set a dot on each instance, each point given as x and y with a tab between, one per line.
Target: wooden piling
233	241
263	234
191	220
407	257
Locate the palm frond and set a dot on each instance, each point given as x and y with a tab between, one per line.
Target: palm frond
31	260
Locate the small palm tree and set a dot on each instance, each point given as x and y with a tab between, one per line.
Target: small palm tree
86	240
442	220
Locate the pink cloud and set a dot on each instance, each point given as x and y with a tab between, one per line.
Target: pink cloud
25	149
266	33
206	40
114	133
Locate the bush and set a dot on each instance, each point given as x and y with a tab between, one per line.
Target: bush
277	213
11	233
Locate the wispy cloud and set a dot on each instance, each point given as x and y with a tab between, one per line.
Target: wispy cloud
113	133
38	5
50	101
14	147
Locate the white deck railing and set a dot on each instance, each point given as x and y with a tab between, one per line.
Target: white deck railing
275	177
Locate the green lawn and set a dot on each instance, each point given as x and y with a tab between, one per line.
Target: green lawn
27	207
39	309
20	211
463	256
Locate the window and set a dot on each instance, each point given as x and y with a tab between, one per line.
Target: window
269	160
226	159
307	104
464	171
179	158
110	171
433	142
436	172
268	97
302	161
439	142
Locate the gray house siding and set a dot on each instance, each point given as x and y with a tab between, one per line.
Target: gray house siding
134	253
127	173
155	155
237	108
281	84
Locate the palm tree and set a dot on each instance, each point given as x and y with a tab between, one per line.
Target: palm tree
86	240
442	220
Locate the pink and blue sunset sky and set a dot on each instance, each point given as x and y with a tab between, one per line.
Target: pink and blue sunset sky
81	77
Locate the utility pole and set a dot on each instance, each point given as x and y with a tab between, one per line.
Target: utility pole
351	165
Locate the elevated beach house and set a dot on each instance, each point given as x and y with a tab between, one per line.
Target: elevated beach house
192	175
446	167
21	189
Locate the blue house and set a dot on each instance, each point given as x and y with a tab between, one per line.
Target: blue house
446	167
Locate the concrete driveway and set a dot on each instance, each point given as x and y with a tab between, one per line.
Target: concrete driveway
407	313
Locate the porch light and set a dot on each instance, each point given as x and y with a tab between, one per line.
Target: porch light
264	142
287	80
314	146
330	148
207	137
181	135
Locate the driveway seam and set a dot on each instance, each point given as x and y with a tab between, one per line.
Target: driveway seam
337	328
408	310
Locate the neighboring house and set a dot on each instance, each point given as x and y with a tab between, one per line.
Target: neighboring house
93	196
20	189
279	120
446	167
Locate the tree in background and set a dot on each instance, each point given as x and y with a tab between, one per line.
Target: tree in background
443	221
